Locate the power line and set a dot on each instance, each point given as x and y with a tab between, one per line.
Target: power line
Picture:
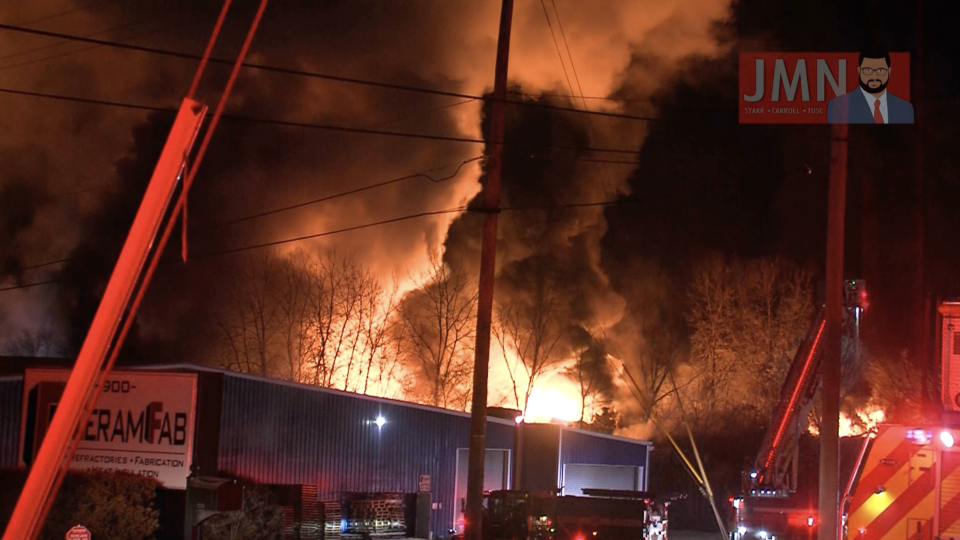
422	111
418	215
290	123
312	74
27	285
66	41
75	51
588	121
328	233
557	45
88	101
350	192
41	265
562	206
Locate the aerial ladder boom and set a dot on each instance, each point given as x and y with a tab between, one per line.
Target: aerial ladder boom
798	389
774	471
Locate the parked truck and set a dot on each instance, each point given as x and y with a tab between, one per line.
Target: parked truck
606	515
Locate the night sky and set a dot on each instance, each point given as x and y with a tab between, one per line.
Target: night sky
72	173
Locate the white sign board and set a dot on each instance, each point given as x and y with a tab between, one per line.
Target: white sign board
142	423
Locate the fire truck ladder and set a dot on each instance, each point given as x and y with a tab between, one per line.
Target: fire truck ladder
775	469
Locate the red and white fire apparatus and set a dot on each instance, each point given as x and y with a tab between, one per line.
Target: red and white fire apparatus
907	481
904	483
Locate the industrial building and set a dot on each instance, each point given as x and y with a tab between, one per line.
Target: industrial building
175	422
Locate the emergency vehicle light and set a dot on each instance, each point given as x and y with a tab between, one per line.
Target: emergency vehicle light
810	521
946	438
919	436
742	530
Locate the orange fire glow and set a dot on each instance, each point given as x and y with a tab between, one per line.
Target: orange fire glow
863	420
555	398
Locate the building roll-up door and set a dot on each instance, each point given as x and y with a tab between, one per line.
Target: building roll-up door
577	476
949	493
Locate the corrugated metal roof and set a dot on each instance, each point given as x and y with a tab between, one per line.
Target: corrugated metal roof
352	395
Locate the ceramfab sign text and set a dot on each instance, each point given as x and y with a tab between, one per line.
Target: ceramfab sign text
142	423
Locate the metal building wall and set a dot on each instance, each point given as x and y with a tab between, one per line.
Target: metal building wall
539	457
596	448
282	433
586	447
11	403
548	447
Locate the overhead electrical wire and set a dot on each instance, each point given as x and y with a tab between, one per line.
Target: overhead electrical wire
308	125
587	121
458	209
368	187
557	45
336	231
28	285
414	216
312	74
67	41
82	49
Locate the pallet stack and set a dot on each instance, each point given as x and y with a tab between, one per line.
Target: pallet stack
332	518
288	528
309	513
380	515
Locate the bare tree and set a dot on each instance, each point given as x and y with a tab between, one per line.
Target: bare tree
337	286
748	319
381	354
295	315
40	343
651	336
531	321
439	326
711	314
250	318
590	370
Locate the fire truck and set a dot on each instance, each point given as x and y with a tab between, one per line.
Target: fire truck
770	506
906	484
601	515
903	485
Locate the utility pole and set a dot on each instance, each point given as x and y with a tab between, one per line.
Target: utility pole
921	329
830	391
488	252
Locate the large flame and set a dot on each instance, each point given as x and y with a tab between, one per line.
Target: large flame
556	398
863	420
552	403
